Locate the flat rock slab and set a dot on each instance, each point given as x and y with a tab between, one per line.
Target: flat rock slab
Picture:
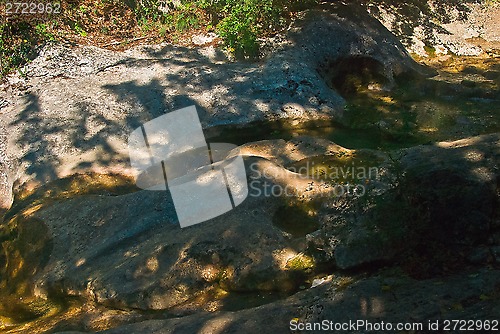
129	251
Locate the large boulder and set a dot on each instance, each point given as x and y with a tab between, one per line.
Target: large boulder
438	209
75	109
127	250
339	303
404	211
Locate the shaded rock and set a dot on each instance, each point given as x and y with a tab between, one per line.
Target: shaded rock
436	202
128	251
455	186
374	299
79	120
366	251
479	255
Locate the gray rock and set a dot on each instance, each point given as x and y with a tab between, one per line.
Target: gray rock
440	197
464	29
364	251
80	119
496	253
128	251
375	299
479	255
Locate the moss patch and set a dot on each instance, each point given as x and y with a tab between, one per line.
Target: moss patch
298	219
301	262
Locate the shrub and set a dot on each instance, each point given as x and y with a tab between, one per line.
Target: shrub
240	23
17	41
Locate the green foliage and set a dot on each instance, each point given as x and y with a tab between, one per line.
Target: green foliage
79	30
148	9
239	31
41	30
240	23
184	18
17	40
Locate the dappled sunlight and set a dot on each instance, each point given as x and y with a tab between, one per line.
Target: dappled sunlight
80	262
215	326
31	210
483	174
419	17
149	268
474	155
342	168
207	264
282	256
81	228
130	253
91	149
209	273
72	186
